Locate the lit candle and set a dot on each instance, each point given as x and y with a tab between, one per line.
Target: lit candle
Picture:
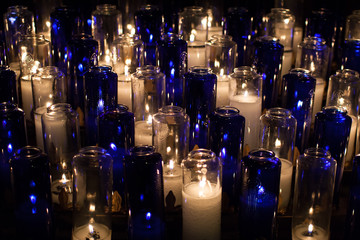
250	108
124	91
38	127
298	32
309	232
196	54
285	184
92	231
222	91
201	203
63	184
173	181
286	62
143	132
27	96
318	98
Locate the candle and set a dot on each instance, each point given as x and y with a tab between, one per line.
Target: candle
222	91
143	132
201	211
27	96
286	62
92	231
351	145
318	98
172	182
196	54
38	127
124	91
309	232
57	186
298	32
215	31
250	108
285	184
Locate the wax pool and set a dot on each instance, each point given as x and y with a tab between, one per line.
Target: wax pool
301	232
98	232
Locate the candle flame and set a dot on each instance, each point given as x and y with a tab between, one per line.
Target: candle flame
91	229
63	179
216	63
277	143
192	35
311	211
221	72
171	164
246	93
312	67
92	207
310	228
149	120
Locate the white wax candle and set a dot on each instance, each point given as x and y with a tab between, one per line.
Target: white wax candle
173	182
286	62
284	32
143	133
84	232
196	56
27	96
124	91
222	91
298	32
351	145
214	31
201	212
285	184
318	98
301	232
58	185
250	109
38	127
43	93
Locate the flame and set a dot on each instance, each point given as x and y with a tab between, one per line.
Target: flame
149	120
277	143
311	211
92	207
63	179
171	164
192	35
310	228
91	229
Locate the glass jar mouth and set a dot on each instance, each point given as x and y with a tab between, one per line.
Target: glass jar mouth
143	150
261	154
300	72
147	70
105	7
127	38
16	9
347	75
334	110
104	68
200	70
317	152
170	37
149	7
6	107
4	68
171	110
194	9
279	112
36	37
314	42
201	154
48	72
227	111
28	153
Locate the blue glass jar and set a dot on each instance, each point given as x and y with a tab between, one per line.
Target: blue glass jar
62	21
200	101
258	189
331	132
145	194
148	24
226	139
352	230
30	179
8	89
173	63
297	95
81	53
100	90
268	54
116	135
351	55
238	25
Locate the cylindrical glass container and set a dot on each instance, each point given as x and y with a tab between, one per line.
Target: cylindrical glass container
127	56
245	95
258	189
237	24
344	91
171	135
297	95
30	179
116	135
220	55
148	25
3	57
200	102
268	53
60	126
226	140
100	91
148	90
18	20
173	63
106	26
92	198
193	27
352	31
313	195
313	55
277	133
81	53
350	58
331	132
201	195
62	21
145	193
8	85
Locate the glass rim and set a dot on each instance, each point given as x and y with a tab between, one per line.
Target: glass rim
141	150
227	111
28	152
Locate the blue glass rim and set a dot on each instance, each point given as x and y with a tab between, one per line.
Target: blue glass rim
300	72
261	154
142	150
31	154
200	70
101	69
7	107
5	68
334	110
17	8
227	111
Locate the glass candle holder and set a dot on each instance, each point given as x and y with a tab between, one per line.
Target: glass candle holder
344	91
214	20
200	97
30	179
116	135
313	194
237	23
3	57
351	29
62	21
220	55
171	134
148	25
61	135
201	195
313	55
258	189
331	132
92	198
173	63
245	95
127	55
82	51
277	133
193	27
148	90
106	25
145	193
350	58
8	85
100	90
226	140
297	95
268	54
